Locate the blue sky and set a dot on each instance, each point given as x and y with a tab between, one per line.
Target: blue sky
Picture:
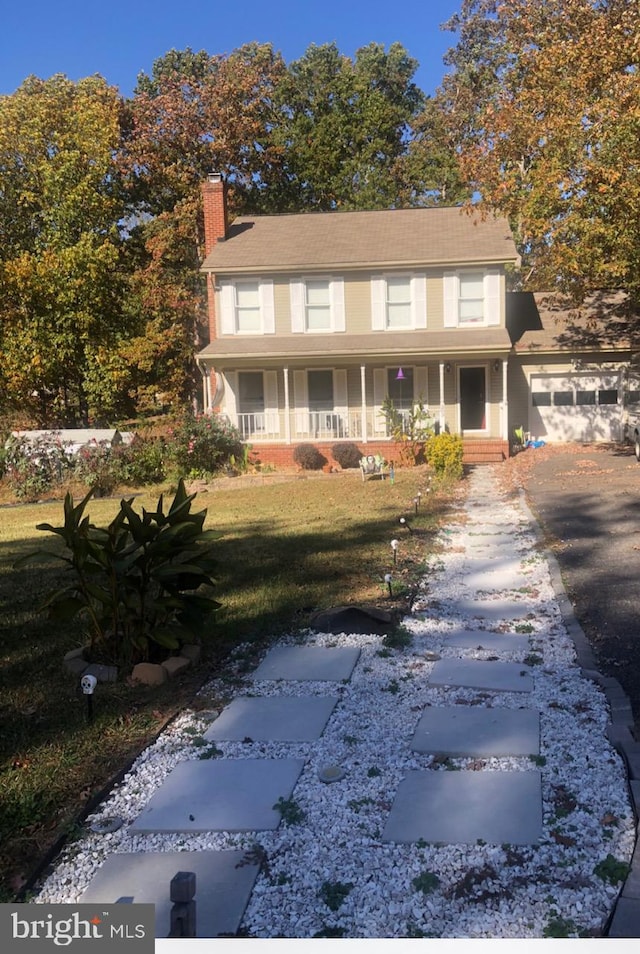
120	38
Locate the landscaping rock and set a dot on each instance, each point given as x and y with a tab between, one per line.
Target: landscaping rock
192	651
75	662
176	664
149	674
101	672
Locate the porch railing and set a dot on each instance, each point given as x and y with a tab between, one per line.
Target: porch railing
259	426
310	426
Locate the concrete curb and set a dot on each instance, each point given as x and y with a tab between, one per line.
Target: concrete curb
625	919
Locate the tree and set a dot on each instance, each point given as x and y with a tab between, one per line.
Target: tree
429	172
195	113
544	98
60	284
342	125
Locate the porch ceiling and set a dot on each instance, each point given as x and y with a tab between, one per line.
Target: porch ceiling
453	343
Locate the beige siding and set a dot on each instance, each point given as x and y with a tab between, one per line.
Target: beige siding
357	300
518	396
283	306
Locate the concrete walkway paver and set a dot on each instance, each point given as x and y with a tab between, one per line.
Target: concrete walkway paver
474	731
224	880
312	663
273	719
486	639
220	795
482	674
466	808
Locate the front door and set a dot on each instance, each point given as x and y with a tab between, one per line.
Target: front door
473	399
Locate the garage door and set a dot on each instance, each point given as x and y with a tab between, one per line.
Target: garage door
575	407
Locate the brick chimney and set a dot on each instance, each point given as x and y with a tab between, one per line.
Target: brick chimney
214	199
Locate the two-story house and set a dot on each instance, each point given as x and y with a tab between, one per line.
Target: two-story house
316	318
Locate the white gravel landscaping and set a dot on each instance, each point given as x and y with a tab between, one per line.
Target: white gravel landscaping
329	873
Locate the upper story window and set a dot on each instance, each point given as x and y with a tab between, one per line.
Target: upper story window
398	302
471	301
247	307
317	305
471	298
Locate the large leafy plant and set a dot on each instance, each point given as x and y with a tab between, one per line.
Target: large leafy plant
410	429
143	583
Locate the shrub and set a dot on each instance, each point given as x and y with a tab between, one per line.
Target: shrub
309	457
143	461
34	467
143	583
202	445
347	455
444	453
97	467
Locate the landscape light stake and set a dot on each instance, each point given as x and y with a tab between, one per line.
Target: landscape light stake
405	524
88	684
394	547
387	580
416	502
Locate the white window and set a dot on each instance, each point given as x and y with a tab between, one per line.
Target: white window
247	307
398	302
317	305
472	298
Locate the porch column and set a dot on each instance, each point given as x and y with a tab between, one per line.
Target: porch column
505	403
206	387
442	408
363	391
287	415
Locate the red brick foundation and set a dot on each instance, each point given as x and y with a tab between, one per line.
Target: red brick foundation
281	455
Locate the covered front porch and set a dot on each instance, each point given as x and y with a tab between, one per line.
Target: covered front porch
325	404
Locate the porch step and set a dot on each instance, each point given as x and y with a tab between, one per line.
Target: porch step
485	451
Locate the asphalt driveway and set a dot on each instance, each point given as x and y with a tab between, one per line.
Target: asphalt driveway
587	499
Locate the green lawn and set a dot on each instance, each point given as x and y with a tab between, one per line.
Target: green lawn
287	549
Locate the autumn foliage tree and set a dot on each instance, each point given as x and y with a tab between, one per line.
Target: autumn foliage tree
60	280
544	99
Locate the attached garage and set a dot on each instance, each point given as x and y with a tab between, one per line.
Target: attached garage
576	406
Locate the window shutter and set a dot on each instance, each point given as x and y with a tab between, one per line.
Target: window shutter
336	297
378	298
297	300
379	394
450	290
230	406
267	306
419	301
271	402
227	308
492	298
